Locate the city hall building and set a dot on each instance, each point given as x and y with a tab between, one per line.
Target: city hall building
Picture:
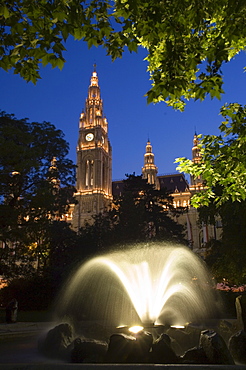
95	188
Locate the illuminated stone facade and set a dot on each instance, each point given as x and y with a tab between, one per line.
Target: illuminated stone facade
94	160
176	184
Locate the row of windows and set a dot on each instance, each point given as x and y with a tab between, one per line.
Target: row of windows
90	175
180	203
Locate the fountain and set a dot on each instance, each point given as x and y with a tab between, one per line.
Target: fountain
163	291
146	284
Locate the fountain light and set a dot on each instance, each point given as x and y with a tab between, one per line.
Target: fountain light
136	329
177	326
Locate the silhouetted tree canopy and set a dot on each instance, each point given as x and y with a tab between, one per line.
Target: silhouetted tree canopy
36	187
142	213
227	256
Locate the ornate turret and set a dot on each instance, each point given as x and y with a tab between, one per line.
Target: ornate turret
53	171
196	158
196	155
150	170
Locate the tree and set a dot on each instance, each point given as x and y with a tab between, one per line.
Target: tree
141	213
64	250
227	257
144	213
99	236
186	42
35	188
223	161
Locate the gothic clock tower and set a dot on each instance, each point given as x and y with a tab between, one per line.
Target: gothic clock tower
94	160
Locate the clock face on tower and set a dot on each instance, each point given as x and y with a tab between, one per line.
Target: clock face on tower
89	137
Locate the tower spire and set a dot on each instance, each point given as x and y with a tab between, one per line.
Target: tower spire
93	115
149	170
196	158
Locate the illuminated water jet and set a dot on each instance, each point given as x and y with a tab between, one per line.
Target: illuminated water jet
155	284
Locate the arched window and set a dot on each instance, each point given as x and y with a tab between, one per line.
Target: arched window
87	167
89	174
104	178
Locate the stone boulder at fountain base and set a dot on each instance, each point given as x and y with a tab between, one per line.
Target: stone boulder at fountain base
215	349
162	352
89	351
125	348
237	347
61	343
58	342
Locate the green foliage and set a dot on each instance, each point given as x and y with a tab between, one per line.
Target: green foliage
34	32
186	42
223	160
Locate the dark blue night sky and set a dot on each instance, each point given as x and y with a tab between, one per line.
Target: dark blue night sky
59	98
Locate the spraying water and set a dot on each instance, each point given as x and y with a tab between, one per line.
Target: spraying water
157	284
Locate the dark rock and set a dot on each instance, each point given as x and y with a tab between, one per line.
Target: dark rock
215	348
237	347
120	348
240	304
195	356
184	339
141	348
56	343
88	350
226	329
162	352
